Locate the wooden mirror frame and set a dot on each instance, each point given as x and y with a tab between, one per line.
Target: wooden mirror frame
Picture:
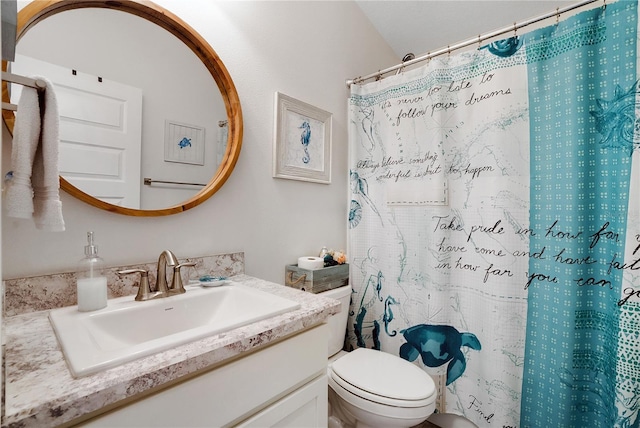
38	10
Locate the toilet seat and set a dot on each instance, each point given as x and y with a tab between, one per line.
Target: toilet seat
383	378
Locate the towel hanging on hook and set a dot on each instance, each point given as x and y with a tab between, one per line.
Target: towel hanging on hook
33	190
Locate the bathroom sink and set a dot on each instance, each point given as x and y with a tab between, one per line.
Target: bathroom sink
126	330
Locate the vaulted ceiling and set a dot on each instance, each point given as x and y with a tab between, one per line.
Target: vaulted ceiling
428	25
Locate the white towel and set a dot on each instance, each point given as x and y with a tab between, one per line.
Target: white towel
26	133
34	188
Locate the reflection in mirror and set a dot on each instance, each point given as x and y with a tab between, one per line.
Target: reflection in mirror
135	103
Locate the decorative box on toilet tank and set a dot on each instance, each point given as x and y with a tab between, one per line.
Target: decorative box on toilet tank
319	280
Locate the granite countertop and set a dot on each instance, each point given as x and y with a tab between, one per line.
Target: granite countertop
40	390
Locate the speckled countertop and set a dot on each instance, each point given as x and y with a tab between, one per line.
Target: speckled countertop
40	390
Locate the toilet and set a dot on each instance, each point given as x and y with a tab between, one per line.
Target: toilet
369	388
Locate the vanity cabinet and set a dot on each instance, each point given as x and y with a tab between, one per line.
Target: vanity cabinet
281	385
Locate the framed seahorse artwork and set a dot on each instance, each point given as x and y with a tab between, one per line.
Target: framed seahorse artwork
302	141
183	143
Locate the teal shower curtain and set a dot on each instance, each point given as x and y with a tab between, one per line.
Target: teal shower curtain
494	223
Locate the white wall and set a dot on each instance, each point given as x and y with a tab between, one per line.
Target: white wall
303	49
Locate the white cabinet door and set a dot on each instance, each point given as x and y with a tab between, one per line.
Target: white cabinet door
304	408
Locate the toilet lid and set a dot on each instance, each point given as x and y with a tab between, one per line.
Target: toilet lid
384	375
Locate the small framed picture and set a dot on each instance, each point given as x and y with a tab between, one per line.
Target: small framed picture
302	141
183	143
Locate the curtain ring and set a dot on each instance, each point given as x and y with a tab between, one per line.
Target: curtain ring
515	30
448	50
557	16
479	41
604	4
407	57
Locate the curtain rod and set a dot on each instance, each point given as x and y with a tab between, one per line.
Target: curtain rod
475	40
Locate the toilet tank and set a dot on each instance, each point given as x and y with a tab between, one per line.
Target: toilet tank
338	322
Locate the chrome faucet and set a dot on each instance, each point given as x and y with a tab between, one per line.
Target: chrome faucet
162	289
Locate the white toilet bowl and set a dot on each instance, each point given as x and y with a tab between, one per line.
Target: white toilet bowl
371	388
376	389
381	390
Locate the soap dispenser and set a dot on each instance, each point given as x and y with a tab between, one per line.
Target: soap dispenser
91	280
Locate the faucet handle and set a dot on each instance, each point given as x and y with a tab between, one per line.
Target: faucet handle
177	286
144	290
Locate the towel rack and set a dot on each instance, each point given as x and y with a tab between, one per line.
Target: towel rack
38	84
149	181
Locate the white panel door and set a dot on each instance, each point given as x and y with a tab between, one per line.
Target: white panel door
100	131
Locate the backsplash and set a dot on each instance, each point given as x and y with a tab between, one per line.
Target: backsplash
38	293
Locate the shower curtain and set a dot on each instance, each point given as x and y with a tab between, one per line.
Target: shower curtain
494	224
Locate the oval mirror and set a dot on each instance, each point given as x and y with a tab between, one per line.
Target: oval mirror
150	121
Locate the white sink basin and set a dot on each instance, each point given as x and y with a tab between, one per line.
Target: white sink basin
126	330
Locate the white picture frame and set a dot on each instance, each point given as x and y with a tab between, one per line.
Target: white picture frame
302	141
183	143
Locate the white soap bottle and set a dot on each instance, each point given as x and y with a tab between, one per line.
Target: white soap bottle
91	280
